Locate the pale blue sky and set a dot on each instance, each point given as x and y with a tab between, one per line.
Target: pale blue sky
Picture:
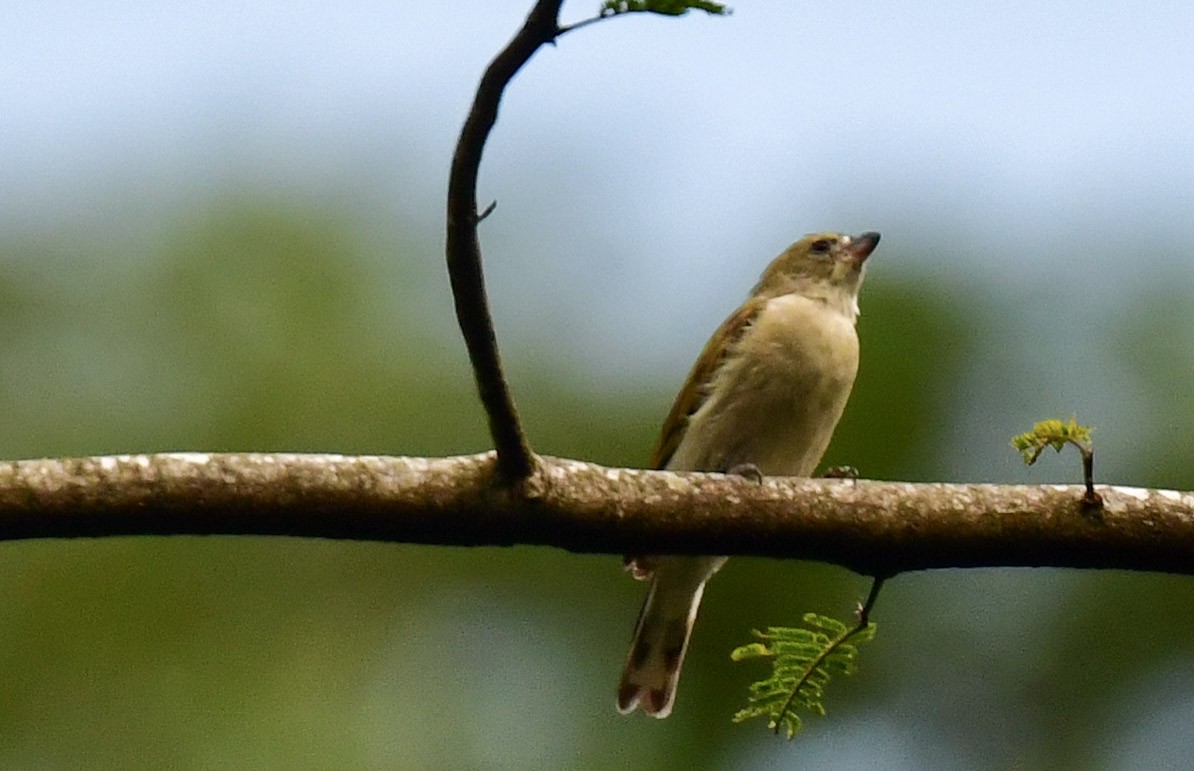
1006	119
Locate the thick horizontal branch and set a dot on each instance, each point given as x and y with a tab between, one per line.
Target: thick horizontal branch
871	527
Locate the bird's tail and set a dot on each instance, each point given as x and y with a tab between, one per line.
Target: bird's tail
657	650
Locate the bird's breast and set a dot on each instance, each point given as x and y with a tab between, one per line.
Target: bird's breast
778	394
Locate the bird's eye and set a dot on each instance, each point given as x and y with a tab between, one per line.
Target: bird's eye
821	246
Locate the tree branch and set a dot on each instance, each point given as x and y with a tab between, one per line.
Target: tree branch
515	459
872	528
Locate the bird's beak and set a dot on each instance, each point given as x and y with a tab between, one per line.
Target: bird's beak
860	247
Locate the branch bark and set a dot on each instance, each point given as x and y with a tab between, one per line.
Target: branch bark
463	247
872	528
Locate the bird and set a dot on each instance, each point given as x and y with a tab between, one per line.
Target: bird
763	398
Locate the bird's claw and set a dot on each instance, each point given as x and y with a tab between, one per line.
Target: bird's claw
747	471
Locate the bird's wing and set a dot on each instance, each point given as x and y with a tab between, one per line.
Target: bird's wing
689	400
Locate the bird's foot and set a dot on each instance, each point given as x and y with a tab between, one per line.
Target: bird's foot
747	471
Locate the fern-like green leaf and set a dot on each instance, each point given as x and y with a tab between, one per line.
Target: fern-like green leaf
664	7
1051	433
803	660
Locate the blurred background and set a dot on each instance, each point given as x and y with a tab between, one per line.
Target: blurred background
221	229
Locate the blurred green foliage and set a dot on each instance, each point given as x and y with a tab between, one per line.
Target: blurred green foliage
256	325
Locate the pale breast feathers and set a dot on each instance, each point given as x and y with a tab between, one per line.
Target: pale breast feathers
775	396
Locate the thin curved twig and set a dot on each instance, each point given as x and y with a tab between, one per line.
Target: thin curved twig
515	459
866	606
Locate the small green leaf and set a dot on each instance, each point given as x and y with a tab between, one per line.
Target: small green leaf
1051	433
750	651
830	625
663	7
804	659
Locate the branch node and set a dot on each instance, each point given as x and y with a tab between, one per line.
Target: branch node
533	486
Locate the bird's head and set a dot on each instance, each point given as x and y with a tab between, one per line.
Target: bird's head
826	266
